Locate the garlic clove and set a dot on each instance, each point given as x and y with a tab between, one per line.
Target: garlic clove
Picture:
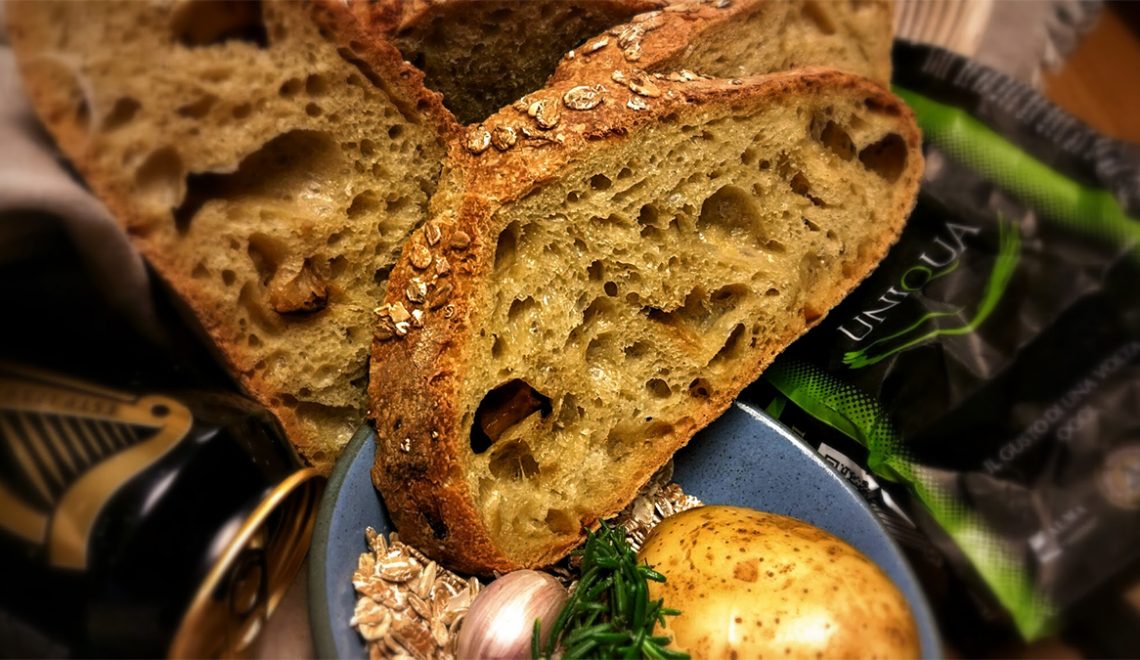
500	622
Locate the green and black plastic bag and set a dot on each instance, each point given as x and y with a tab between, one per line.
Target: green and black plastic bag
987	374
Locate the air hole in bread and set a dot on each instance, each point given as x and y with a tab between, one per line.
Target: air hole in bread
600	182
253	341
266	253
337	266
801	186
200	271
380	275
658	388
648	215
290	88
636	350
198	108
887	157
700	388
732	346
837	140
121	114
507	246
560	522
395	205
502	408
818	17
228	277
601	348
569	412
497	347
160	178
316	85
197	23
521	307
249	299
730	215
748	156
296	160
514	461
728	298
241	111
610	288
599	308
367	202
595	271
693	311
313	110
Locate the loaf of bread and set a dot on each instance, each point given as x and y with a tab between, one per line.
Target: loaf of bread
607	265
270	159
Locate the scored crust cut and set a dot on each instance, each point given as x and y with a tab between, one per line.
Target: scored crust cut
741	38
588	295
269	160
483	54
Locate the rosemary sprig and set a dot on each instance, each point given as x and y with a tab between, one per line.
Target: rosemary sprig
609	614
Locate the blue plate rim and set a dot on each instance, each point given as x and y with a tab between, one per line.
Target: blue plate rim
319	606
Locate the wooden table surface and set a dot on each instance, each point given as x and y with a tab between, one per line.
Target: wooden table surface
1100	82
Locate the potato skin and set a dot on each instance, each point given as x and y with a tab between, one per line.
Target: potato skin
751	584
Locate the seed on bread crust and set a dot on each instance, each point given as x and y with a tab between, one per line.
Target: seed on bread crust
439	296
416	291
504	137
420	256
640	83
477	140
459	240
596	46
392	319
584	97
432	232
636	104
442	266
545	114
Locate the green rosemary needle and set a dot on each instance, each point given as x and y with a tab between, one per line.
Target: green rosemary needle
609	614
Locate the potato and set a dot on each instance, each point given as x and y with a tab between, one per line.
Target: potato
752	584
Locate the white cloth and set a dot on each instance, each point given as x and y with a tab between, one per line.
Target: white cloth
35	187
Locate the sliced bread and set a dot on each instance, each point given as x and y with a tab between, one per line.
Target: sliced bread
269	159
606	267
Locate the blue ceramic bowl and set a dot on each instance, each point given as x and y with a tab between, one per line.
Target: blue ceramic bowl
744	458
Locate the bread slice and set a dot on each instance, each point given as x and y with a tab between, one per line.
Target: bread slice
736	38
269	159
483	54
607	266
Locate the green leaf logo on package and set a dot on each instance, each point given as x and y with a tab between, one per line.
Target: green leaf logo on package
989	369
